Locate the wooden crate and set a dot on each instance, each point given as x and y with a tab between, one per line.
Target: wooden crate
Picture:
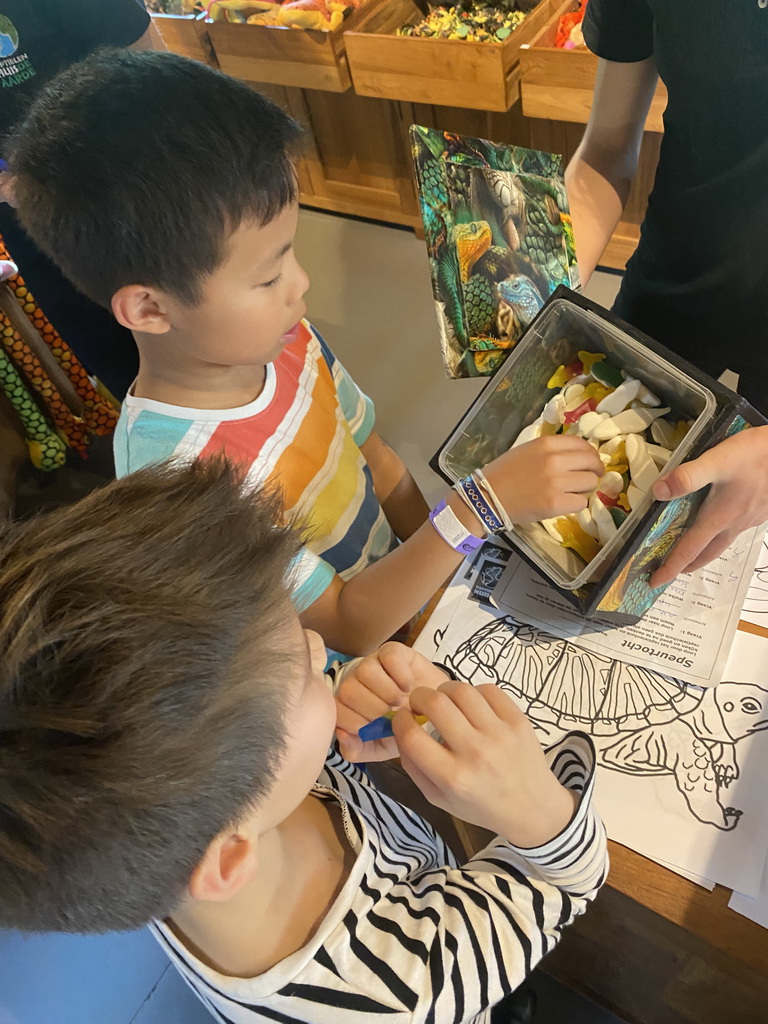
448	72
304	58
186	34
558	84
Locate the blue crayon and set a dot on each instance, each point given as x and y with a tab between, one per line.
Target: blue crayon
381	728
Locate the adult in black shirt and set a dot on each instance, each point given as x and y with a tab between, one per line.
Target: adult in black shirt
38	38
699	279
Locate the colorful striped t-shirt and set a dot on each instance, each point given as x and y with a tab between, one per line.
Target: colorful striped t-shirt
304	431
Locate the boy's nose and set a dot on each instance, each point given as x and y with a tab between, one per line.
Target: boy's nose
302	282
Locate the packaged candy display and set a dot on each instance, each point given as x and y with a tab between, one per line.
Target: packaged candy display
578	369
499	240
569	34
321	15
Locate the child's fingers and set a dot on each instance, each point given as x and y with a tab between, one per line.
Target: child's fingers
409	669
354	749
366	695
421	754
580	482
501	704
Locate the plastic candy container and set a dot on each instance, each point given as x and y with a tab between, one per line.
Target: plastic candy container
632	433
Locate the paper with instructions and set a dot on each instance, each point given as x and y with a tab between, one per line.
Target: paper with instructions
688	633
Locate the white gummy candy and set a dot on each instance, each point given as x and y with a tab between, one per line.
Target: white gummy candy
587	523
642	469
660	456
661	432
588	422
634	496
606	430
635	421
611	484
606	528
619	399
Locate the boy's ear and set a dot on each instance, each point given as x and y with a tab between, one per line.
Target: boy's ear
229	863
141	309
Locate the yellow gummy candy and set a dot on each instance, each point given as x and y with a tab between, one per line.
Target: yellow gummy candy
597	391
624	501
679	433
588	359
619	467
560	377
577	538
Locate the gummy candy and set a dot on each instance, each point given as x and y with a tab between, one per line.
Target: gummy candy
578	412
575	537
559	378
588	360
597	391
607	501
606	373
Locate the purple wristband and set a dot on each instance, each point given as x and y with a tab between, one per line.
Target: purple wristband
452	530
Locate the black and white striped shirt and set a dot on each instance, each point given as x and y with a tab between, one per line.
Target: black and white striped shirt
413	936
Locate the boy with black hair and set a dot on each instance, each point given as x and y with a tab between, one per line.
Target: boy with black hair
166	190
164	723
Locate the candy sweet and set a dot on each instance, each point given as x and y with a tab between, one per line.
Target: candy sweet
614	412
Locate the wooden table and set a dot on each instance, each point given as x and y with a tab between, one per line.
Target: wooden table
654	947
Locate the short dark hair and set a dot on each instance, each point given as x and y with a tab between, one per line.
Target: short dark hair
136	167
143	652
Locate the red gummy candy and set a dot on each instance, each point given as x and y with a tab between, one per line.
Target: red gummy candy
575	369
589	406
608	502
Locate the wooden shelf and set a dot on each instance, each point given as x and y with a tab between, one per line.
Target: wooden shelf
186	34
558	84
303	58
449	72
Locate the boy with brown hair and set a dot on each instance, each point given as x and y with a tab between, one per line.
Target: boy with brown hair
166	191
164	734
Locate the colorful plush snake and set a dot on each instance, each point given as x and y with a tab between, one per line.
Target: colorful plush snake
77	413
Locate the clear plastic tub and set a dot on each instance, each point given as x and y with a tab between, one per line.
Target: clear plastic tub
517	394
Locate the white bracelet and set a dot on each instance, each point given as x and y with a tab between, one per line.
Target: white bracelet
501	512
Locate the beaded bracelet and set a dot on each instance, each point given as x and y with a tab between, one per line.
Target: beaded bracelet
481	505
501	512
460	491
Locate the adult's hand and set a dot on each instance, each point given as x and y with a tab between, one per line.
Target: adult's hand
737	470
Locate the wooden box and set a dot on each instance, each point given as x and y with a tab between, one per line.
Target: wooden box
186	34
448	72
557	84
304	58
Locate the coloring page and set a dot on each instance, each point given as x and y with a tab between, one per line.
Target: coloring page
681	769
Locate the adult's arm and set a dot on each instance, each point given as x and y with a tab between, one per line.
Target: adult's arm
601	172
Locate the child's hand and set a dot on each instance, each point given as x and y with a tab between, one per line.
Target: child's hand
380	682
489	769
550	476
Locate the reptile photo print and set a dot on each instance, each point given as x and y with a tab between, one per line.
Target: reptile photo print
499	240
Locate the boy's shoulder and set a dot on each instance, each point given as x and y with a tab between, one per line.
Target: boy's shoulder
150	431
